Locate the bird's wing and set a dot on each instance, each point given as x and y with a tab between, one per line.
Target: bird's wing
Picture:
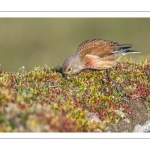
100	48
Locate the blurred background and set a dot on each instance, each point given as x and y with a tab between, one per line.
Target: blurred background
33	42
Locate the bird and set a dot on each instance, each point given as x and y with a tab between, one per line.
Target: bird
97	54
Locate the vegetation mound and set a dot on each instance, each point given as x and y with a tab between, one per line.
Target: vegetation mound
43	101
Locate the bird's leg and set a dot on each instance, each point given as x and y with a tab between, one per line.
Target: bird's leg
108	74
104	81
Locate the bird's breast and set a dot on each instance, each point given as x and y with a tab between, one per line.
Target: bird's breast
99	63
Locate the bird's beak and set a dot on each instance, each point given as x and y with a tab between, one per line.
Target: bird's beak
59	69
64	75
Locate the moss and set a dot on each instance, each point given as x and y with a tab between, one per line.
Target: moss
42	100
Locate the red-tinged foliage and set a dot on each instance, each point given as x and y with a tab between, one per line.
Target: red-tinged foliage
141	92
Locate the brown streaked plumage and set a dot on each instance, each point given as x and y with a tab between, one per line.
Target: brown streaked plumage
96	54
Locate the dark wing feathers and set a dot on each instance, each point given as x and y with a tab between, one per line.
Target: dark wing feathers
100	47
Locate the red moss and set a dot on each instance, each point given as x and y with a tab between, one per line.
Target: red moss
142	91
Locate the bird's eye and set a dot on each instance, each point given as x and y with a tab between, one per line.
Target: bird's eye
69	69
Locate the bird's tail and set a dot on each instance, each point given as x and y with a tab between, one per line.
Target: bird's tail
127	51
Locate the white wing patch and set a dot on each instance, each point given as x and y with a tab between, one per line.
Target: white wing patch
92	56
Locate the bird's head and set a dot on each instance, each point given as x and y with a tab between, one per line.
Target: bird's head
72	65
